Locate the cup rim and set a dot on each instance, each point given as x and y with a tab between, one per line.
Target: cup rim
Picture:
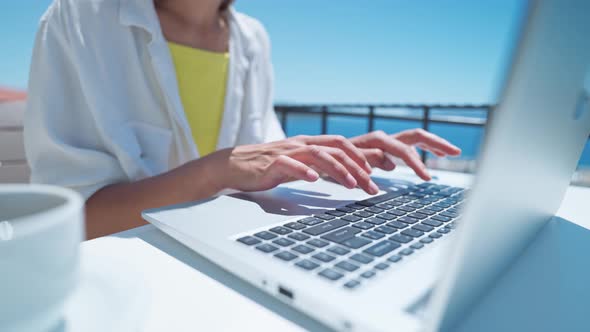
73	203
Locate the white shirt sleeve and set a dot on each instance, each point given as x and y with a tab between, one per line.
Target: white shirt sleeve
62	142
270	123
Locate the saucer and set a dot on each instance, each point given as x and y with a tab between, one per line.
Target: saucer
111	296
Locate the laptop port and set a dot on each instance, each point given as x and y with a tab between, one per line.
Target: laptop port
285	292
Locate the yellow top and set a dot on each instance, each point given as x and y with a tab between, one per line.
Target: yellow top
201	79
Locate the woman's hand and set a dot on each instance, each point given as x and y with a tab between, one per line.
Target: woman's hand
264	166
377	145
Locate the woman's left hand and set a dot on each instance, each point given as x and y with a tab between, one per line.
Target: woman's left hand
377	144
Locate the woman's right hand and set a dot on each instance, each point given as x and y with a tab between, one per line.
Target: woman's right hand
265	166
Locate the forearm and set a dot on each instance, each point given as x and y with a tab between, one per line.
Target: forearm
118	207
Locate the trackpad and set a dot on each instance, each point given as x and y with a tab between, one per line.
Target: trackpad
418	307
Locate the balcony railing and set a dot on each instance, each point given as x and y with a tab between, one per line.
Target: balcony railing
422	113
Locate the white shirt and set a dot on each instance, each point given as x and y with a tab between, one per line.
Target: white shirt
103	99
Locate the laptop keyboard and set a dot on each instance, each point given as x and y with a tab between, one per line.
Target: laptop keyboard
352	244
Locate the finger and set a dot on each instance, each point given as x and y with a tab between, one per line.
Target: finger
436	152
399	149
285	167
362	178
323	161
340	142
377	158
420	136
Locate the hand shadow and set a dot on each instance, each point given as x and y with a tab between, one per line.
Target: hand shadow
291	202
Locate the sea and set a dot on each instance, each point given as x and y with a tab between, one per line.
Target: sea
468	138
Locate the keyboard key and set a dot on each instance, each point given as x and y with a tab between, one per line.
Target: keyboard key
280	230
324	216
382	266
386	216
266	248
426	240
363	214
441	218
347	266
295	226
361	258
341	235
406	252
373	235
426	212
265	235
434	235
375	221
331	274
407	220
345	209
443	230
362	225
385	206
405	208
382	248
422	228
325	227
321	256
418	215
374	209
336	213
352	284
356	242
433	208
415	205
249	240
286	256
368	274
385	230
306	264
432	222
396	212
298	236
302	249
449	214
317	243
394	258
383	198
412	232
417	245
283	242
355	206
400	238
310	221
397	224
351	218
339	250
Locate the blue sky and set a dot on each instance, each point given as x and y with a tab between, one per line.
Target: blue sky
348	51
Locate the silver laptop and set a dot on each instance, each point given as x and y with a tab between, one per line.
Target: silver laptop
361	263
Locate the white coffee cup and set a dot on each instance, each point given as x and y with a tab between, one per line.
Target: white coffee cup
41	228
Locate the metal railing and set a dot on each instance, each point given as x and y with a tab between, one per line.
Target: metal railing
373	112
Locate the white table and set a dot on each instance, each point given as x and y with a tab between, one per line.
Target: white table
189	293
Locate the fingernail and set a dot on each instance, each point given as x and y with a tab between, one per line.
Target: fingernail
312	175
373	189
350	181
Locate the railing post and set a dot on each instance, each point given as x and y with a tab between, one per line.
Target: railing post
324	120
425	125
284	111
371	126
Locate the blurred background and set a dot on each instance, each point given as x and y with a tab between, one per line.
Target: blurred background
346	67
